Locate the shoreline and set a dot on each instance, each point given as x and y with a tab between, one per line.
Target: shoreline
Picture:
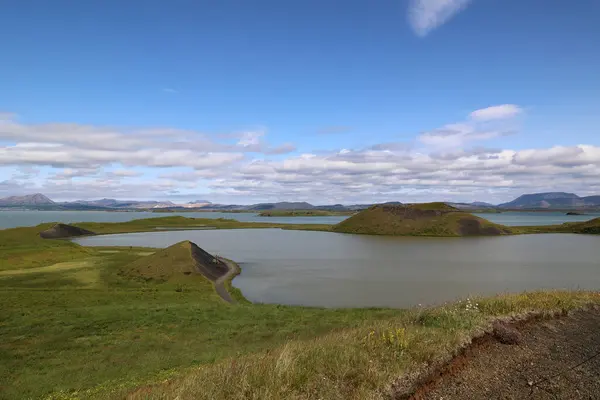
223	284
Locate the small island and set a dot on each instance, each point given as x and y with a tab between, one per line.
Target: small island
575	213
303	213
427	219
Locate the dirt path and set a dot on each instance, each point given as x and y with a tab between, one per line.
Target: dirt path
220	282
554	359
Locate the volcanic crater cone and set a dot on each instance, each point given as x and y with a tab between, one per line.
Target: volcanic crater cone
427	219
62	231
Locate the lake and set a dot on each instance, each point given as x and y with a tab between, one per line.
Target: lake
526	218
341	270
13	219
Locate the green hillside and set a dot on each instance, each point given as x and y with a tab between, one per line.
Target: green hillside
587	227
181	262
428	219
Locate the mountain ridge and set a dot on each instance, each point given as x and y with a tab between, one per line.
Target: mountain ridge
31	199
550	200
531	201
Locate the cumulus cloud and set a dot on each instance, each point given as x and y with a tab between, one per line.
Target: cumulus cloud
559	155
496	112
253	141
483	124
481	173
447	163
456	135
69	173
124	173
426	15
76	146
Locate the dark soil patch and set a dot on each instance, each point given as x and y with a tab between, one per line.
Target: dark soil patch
473	227
554	359
62	231
206	264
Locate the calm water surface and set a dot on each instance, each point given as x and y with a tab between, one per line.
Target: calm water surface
523	218
12	219
337	270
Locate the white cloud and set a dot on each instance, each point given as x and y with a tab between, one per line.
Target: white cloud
71	161
483	124
77	146
496	112
426	15
69	173
560	156
124	173
456	135
170	90
250	139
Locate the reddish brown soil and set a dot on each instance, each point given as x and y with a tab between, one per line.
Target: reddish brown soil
553	359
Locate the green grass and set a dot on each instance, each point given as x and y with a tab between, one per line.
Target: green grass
73	325
591	227
437	206
68	330
303	213
173	264
23	248
154	224
361	362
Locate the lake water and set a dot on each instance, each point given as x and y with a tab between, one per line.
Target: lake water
338	270
524	218
13	219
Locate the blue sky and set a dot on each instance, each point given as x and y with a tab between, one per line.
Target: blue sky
324	101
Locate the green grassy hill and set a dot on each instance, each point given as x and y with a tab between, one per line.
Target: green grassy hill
587	227
179	263
428	219
61	231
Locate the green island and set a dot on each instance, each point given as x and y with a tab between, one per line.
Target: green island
303	213
114	322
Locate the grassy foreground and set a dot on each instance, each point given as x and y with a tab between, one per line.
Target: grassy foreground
365	362
74	326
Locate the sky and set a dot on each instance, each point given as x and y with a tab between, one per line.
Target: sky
326	101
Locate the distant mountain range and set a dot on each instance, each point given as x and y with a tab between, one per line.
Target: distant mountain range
30	200
551	200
